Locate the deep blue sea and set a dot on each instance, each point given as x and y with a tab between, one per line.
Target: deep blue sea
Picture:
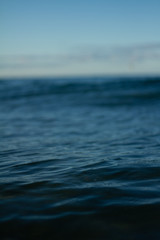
80	158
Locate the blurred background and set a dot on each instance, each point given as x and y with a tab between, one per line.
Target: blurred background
80	137
64	38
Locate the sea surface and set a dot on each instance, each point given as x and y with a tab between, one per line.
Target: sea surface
80	158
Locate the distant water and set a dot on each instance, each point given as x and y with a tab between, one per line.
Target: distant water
80	159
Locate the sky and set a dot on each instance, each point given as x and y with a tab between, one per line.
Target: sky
87	37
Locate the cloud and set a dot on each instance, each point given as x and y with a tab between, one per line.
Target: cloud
142	51
115	55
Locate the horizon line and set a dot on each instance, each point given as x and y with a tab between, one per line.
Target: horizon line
66	76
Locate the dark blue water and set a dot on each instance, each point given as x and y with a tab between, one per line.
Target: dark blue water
80	159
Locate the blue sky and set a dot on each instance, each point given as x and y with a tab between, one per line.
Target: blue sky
59	37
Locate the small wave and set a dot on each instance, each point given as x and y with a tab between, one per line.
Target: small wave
97	93
80	159
33	88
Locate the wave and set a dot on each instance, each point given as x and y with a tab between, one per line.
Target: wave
72	169
99	92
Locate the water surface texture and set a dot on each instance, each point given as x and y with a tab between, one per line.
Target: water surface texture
80	159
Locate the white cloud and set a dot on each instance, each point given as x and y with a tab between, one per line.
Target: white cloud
135	56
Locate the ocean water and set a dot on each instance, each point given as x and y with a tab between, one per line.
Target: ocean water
80	158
